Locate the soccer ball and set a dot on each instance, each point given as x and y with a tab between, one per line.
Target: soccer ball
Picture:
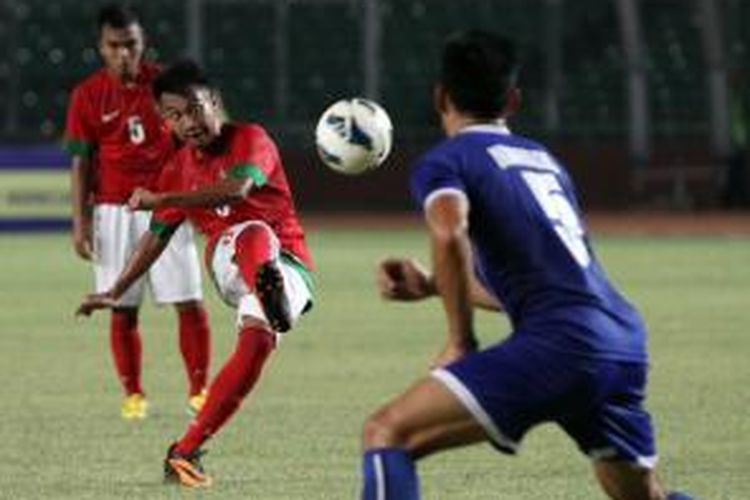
354	136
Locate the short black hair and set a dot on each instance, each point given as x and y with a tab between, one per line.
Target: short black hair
478	69
179	77
117	16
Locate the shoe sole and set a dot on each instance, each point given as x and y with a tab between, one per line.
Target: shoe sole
269	286
186	475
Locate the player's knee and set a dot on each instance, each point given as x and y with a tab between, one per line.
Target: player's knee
256	233
254	323
381	430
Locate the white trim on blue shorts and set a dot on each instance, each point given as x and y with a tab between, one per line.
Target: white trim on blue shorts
611	453
647	462
453	384
380	486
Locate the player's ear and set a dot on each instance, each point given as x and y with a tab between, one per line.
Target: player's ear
216	100
100	43
440	98
144	38
217	103
512	101
157	106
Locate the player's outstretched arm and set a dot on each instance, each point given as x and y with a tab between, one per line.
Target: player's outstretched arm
447	218
406	280
224	192
80	192
148	249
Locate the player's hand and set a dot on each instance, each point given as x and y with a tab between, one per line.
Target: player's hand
453	352
83	239
143	199
95	301
403	279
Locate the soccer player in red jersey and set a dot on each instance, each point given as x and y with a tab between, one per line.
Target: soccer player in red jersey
227	180
119	143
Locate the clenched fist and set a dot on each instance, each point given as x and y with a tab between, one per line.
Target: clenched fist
404	279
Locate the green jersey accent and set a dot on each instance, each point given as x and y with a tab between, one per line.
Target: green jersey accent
248	171
163	230
78	147
307	276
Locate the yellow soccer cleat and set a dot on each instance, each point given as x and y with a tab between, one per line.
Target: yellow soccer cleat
134	407
196	402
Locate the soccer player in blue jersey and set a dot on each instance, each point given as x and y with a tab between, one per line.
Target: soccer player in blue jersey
506	234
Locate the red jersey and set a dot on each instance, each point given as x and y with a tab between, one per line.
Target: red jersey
246	151
118	128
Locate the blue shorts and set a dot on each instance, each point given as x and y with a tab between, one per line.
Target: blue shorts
518	383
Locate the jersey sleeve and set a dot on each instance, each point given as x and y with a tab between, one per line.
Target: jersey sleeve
433	175
79	135
254	156
166	220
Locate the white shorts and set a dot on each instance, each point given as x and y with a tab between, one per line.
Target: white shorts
233	289
174	277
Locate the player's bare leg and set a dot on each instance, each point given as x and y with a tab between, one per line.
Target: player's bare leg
195	346
626	481
425	419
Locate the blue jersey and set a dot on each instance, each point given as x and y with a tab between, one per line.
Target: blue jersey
530	247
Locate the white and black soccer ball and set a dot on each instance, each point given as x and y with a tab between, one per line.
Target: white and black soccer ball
354	136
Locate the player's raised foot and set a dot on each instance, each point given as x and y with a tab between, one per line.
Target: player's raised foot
185	469
134	407
269	286
196	402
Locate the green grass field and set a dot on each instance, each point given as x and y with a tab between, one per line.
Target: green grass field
297	437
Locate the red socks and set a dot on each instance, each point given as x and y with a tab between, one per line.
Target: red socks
254	246
235	380
195	345
125	342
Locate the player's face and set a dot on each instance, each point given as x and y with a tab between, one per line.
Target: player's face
195	118
122	50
